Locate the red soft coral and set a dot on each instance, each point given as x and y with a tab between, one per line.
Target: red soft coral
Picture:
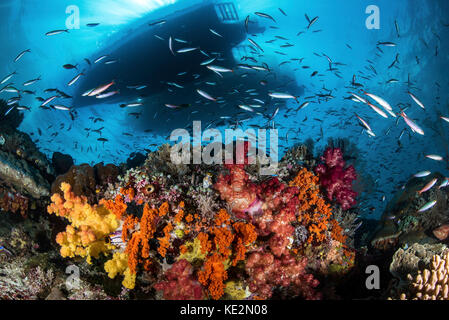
180	283
336	179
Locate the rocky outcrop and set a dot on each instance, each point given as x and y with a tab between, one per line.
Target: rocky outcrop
61	162
86	180
18	174
414	258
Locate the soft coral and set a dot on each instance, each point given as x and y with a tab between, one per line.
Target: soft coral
336	178
180	283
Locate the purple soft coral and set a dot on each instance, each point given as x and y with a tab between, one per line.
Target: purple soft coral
336	179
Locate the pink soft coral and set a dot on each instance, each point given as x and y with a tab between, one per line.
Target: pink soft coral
236	188
180	283
270	206
336	179
267	272
278	213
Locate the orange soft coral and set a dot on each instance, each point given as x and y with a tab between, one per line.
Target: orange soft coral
314	213
223	238
116	206
128	225
204	241
164	242
226	239
246	234
128	192
222	217
163	209
213	275
139	245
179	216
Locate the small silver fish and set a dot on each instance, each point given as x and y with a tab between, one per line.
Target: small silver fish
255	44
264	15
183	50
61	107
434	157
101	58
205	95
419	103
9	76
71	82
219	69
444	184
422	174
170	45
215	33
427	206
428	186
30	82
20	55
55	32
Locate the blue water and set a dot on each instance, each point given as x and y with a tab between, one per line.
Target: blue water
383	166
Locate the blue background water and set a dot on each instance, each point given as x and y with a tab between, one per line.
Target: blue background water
421	24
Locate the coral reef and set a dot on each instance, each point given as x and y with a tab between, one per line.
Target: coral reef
157	230
216	231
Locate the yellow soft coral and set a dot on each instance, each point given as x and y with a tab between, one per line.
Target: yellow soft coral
236	290
89	227
119	265
191	251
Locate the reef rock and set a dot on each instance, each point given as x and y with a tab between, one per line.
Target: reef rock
86	180
18	174
56	294
20	145
23	168
414	258
61	162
